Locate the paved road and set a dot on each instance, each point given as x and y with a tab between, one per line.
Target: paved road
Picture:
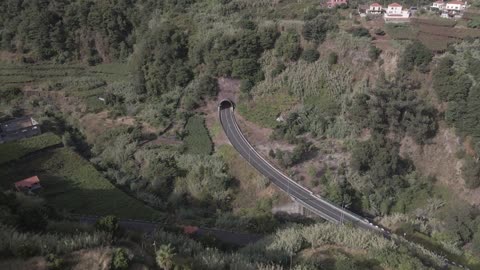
314	203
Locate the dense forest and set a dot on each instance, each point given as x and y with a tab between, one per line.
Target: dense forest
340	107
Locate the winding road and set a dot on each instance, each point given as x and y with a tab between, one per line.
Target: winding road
305	197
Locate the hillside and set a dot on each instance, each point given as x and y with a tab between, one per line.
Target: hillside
378	118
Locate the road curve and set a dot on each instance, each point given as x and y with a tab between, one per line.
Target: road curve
306	198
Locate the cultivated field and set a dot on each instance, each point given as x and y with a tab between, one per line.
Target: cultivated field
15	150
73	184
435	33
198	140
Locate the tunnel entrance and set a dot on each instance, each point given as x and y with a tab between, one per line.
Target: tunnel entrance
226	104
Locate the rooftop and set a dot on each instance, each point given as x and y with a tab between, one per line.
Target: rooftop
375	5
28	183
395	5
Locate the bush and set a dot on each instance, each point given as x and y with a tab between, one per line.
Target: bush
360	32
108	224
332	58
374	53
310	55
288	46
120	259
54	262
379	32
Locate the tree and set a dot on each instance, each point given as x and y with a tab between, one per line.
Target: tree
316	29
165	256
416	55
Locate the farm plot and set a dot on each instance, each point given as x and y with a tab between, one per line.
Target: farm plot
15	150
71	183
197	140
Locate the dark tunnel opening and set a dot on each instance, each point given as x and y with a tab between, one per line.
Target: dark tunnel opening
226	104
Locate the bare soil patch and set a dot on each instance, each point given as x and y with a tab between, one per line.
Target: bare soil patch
95	124
93	259
439	159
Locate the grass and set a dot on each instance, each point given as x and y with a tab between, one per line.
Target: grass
250	180
73	184
198	140
15	150
265	109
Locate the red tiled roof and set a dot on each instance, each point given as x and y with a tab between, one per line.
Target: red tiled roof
439	2
375	5
395	5
29	182
190	229
455	3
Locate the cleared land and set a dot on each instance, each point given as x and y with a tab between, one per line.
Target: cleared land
435	33
73	184
15	150
265	110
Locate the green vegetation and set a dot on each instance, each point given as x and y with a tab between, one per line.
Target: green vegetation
71	183
197	140
265	110
15	150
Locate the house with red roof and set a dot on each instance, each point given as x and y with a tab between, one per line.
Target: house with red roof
28	185
394	9
455	6
396	14
375	8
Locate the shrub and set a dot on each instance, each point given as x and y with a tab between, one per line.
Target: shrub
310	55
108	224
288	46
120	259
54	262
379	32
374	53
360	32
332	58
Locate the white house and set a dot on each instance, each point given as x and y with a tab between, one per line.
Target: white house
375	8
439	5
394	9
455	6
396	14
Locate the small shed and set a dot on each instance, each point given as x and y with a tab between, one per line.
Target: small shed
28	185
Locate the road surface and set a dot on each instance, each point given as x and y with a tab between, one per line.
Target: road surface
306	198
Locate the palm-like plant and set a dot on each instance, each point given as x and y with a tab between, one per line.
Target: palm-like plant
165	256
